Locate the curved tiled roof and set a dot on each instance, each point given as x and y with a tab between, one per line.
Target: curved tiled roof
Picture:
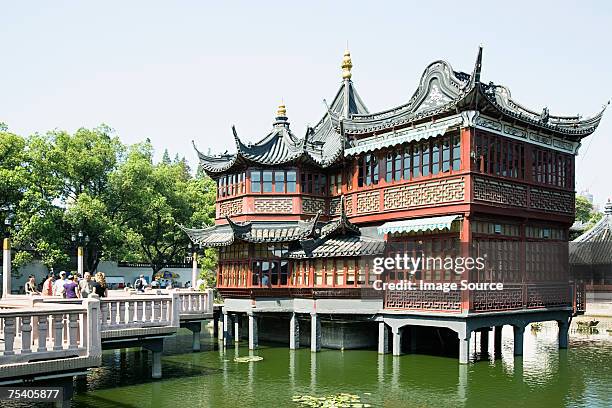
342	246
441	90
310	234
321	145
594	247
499	96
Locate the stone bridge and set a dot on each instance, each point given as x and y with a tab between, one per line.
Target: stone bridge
46	336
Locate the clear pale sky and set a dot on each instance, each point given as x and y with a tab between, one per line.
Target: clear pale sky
177	71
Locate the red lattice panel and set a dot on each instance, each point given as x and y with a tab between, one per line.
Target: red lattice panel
433	192
430	300
511	297
549	295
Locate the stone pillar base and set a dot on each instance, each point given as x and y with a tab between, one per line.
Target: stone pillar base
383	338
253	332
397	341
519	331
315	333
294	332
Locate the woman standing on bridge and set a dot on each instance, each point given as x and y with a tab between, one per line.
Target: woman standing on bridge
99	286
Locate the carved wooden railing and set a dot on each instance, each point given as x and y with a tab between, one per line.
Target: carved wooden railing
514	296
34	333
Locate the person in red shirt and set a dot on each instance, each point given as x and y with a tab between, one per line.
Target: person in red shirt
48	286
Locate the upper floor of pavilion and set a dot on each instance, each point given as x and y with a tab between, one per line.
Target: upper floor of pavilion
456	144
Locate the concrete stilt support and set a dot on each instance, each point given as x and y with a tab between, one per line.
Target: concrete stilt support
196	329
315	333
413	339
464	348
294	332
216	325
156	371
397	341
253	332
484	341
67	390
519	331
236	328
563	333
497	340
383	338
227	329
156	347
220	331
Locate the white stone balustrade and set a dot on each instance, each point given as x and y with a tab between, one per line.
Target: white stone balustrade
139	311
193	302
59	337
40	335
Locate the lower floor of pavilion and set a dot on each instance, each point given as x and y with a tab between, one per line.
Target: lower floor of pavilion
360	323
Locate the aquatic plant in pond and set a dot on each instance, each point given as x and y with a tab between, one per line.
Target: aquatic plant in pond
342	400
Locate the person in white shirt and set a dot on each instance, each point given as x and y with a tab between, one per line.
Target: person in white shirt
58	285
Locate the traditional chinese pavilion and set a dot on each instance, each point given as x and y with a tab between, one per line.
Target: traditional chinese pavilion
461	166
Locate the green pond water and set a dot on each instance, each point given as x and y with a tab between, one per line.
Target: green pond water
544	377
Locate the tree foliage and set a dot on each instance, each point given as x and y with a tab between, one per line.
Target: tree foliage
129	207
586	214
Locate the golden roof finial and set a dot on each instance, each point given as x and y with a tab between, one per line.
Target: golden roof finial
347	64
282	111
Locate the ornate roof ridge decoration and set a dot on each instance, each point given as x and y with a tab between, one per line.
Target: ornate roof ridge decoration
210	236
601	227
499	97
340	226
443	90
310	226
239	229
440	86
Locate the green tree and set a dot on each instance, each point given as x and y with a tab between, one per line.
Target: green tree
13	183
69	192
13	175
159	198
586	214
166	157
583	209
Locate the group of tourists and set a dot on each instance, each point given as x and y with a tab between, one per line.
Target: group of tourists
72	286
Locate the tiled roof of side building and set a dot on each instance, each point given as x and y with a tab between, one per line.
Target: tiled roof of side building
594	247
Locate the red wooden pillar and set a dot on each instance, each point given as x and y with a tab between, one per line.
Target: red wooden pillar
465	240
